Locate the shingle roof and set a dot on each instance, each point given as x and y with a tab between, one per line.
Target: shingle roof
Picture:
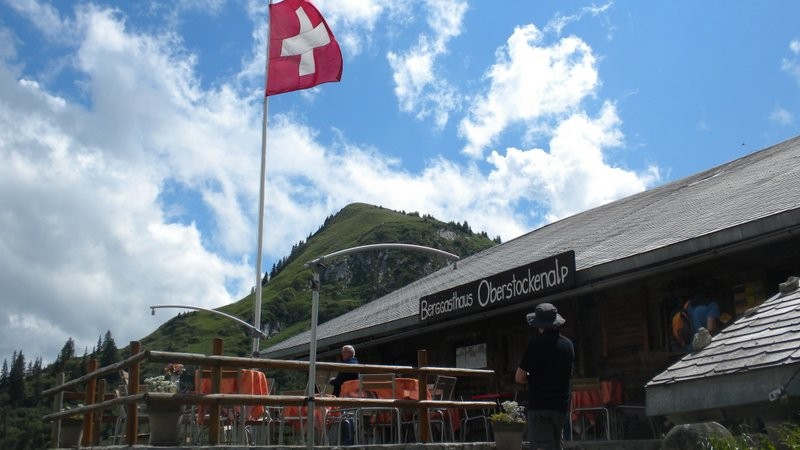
766	337
749	197
740	371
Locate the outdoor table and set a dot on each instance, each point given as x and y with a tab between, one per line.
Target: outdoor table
244	381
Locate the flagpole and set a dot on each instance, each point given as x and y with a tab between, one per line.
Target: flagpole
262	189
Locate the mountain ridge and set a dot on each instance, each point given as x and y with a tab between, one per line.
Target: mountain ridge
346	283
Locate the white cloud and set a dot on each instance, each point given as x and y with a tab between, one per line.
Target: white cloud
8	44
702	122
44	17
89	238
528	84
781	116
85	246
560	21
420	86
573	175
354	21
792	64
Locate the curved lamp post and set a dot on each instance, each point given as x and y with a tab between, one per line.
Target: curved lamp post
317	266
254	331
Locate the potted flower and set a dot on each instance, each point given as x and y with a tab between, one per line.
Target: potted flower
164	417
174	372
160	384
509	426
71	429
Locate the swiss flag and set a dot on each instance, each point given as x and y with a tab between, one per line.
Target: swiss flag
302	50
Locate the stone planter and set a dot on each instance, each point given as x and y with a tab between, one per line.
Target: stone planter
71	433
164	423
508	436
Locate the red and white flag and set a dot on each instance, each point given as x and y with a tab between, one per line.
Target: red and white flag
302	50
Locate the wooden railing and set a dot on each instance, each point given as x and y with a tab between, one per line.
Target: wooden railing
95	404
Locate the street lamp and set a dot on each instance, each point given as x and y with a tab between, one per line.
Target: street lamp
255	333
317	266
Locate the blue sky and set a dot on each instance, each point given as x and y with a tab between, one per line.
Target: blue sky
130	133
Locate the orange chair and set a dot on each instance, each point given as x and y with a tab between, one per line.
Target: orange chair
586	403
376	420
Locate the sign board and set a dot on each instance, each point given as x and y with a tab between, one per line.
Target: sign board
537	279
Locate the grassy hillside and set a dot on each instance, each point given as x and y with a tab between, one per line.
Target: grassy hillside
347	283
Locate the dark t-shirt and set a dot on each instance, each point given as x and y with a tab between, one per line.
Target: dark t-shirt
548	360
344	376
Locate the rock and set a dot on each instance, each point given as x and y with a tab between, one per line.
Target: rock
701	339
693	436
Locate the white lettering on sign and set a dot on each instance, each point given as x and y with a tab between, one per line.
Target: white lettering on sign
532	283
453	303
305	42
525	282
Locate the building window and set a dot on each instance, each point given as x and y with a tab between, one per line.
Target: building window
471	357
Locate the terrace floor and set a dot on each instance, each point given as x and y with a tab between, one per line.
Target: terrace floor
649	444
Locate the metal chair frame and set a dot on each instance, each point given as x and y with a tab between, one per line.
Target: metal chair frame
367	383
583	385
443	389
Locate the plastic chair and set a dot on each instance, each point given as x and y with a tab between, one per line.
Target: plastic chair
473	417
591	386
122	417
442	389
295	417
378	385
256	425
231	429
339	420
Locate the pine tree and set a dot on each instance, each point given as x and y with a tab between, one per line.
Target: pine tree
109	354
36	381
16	380
67	353
4	375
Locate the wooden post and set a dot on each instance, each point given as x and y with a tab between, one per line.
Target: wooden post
88	418
132	419
216	381
422	391
102	388
58	403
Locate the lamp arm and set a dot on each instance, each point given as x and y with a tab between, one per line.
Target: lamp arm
253	329
362	248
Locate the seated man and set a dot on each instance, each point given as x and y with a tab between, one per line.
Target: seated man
348	357
346	426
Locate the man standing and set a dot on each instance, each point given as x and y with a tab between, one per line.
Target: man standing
348	357
546	367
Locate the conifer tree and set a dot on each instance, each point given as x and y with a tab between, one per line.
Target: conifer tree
16	380
4	375
36	381
67	353
109	354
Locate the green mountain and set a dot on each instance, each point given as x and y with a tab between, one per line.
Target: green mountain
347	282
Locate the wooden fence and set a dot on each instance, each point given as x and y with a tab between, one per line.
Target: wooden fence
96	400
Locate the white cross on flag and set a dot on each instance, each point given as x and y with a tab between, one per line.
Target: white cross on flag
302	50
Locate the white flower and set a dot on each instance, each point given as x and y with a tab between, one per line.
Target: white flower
160	384
512	413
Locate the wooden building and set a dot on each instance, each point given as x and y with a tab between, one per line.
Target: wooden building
616	273
748	374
